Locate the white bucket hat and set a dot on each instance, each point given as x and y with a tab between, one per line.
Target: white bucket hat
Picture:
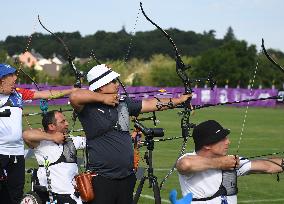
99	76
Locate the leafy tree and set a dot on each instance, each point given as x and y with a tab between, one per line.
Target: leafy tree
233	61
3	56
113	46
147	58
229	36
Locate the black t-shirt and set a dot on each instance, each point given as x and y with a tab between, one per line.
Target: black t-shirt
109	142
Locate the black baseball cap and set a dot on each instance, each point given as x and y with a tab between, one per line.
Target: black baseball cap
208	132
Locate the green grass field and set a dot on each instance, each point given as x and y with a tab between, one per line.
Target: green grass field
263	133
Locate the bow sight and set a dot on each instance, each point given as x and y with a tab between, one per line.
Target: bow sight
209	79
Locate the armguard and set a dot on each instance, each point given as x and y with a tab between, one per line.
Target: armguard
160	104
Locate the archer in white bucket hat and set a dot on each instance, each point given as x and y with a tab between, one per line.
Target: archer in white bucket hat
105	119
99	76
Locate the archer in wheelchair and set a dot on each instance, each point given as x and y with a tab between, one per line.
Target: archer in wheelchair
41	195
56	155
38	193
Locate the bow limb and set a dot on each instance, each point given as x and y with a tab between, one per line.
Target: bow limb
180	63
30	78
270	58
180	66
77	73
181	72
43	102
272	97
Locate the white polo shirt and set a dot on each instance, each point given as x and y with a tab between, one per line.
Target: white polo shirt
11	141
206	183
61	174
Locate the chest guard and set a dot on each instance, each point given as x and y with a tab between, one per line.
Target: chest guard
69	153
123	117
228	186
229	182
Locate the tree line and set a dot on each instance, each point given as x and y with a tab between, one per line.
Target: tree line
147	58
114	45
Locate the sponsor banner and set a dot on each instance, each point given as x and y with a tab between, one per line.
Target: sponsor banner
200	95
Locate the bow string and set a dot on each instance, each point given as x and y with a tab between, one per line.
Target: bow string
43	102
260	157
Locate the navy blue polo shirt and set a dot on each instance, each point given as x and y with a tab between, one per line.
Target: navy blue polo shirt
109	142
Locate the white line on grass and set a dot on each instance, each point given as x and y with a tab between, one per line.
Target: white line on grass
158	169
243	201
263	200
152	198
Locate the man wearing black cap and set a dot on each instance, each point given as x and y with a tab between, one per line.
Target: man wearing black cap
12	163
105	120
209	173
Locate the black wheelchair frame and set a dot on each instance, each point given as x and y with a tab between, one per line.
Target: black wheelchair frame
38	193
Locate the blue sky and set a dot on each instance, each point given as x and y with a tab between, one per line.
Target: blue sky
251	20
